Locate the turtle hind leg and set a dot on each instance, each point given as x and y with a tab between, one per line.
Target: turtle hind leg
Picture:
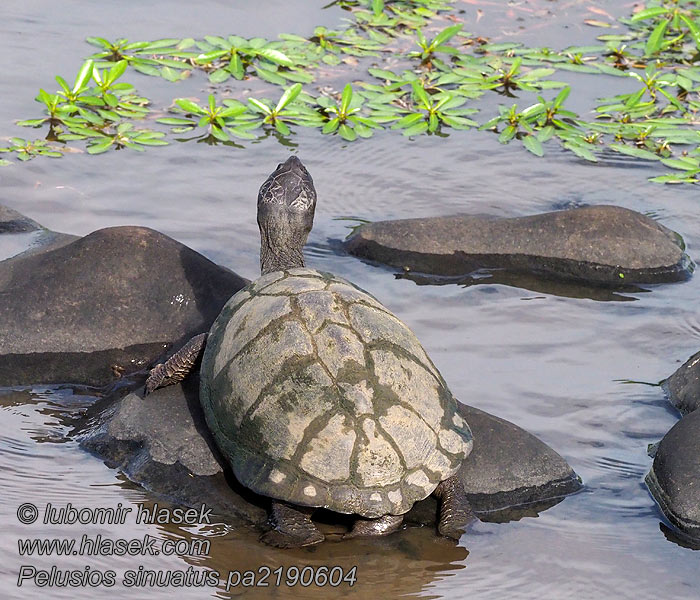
292	527
178	366
455	511
372	527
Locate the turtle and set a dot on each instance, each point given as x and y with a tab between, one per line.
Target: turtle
318	396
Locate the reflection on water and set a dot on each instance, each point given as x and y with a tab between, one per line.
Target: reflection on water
552	365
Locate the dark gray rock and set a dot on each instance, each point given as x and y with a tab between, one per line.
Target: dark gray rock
104	305
22	236
683	387
605	245
674	480
162	443
508	468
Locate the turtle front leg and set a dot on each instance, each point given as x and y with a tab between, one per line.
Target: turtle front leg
292	527
371	527
178	366
455	511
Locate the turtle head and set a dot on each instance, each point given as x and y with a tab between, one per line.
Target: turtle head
286	205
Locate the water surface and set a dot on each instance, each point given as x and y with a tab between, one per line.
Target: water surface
554	364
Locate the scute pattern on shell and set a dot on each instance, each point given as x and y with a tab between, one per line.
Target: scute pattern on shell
319	396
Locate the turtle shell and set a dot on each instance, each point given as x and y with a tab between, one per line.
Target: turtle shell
317	395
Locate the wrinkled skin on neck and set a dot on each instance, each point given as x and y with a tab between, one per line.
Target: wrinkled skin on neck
286	206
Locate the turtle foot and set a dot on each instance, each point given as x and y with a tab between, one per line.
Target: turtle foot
178	366
292	527
455	511
375	527
280	539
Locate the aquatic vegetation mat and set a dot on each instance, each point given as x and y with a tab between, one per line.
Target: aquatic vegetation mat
403	66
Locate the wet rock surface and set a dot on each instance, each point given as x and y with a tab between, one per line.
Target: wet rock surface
683	387
21	236
104	305
600	245
162	443
674	480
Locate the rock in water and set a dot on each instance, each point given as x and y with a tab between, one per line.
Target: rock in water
683	387
21	236
605	245
162	443
674	480
104	305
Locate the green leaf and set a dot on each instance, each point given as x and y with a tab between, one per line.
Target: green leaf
331	126
649	13
289	95
219	134
101	146
656	38
445	35
533	145
561	96
634	151
189	106
408	120
263	107
281	126
276	56
693	27
347	133
416	129
673	179
581	152
175	121
115	72
684	164
235	67
507	134
421	94
219	76
31	123
345	99
83	76
270	76
146	69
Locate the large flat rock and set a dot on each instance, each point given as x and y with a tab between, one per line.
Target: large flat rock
104	305
683	387
605	245
161	442
674	480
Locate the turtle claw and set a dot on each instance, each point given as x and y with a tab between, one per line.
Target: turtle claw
280	539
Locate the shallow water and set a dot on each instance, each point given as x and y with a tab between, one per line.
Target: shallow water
555	362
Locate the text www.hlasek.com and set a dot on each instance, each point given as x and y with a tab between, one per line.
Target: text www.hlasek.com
99	546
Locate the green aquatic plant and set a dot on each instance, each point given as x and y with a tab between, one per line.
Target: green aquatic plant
439	86
429	49
28	149
343	116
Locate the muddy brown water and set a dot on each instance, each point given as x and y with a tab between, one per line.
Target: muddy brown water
553	360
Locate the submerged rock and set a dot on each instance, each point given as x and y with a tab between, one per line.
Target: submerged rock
674	480
104	305
161	442
605	245
683	387
21	236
